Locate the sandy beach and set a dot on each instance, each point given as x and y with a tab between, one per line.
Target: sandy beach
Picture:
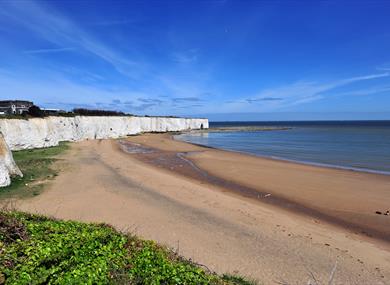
270	220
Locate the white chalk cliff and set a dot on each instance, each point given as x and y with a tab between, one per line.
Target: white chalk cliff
46	132
37	133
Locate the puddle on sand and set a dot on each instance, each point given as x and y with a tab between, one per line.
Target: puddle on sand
134	148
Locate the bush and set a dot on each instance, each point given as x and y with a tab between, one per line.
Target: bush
62	253
35	111
91	112
38	250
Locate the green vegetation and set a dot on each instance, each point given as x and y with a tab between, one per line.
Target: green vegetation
36	166
38	250
14	117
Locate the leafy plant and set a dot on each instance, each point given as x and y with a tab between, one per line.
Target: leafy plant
38	250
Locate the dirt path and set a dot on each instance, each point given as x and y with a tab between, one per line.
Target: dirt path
228	234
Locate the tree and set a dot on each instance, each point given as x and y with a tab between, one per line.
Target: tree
93	112
35	111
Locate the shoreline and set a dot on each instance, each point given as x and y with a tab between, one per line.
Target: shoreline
266	196
276	158
258	196
207	223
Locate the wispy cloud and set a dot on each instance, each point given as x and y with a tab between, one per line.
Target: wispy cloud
150	100
365	91
188	56
63	32
303	92
100	69
189	106
48	50
69	95
254	100
113	23
54	28
384	67
186	99
143	107
361	78
139	107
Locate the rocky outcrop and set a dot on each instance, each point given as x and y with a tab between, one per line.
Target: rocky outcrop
37	133
8	167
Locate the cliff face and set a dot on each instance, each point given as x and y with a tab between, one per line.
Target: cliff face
37	133
8	166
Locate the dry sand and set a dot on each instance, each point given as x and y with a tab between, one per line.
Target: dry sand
159	197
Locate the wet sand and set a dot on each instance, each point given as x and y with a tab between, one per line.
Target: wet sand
345	198
161	195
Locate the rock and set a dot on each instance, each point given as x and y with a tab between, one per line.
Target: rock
387	213
49	131
378	212
5	179
8	167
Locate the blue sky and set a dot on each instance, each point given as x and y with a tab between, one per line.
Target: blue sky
268	60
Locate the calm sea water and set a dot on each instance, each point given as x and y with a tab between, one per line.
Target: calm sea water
357	145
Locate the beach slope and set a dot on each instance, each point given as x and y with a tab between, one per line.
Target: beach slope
136	188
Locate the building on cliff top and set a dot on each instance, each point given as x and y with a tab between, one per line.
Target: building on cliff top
14	107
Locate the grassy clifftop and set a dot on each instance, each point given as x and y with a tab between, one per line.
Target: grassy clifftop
39	250
37	168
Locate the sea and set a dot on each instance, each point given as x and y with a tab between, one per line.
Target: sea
354	145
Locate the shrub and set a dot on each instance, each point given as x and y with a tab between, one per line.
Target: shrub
38	250
91	112
35	111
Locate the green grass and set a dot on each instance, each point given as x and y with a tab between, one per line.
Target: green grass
39	250
36	166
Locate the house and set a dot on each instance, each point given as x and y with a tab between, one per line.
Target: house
14	107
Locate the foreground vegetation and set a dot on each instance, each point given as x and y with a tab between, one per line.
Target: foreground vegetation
37	168
39	250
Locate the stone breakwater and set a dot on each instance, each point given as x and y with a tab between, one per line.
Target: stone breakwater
46	132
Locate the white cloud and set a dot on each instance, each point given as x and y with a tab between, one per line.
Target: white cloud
361	78
384	67
365	92
185	57
67	35
47	50
47	24
48	91
63	32
113	23
303	92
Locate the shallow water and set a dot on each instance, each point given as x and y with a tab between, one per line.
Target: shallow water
361	146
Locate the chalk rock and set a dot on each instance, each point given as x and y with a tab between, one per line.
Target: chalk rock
49	131
46	132
8	167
